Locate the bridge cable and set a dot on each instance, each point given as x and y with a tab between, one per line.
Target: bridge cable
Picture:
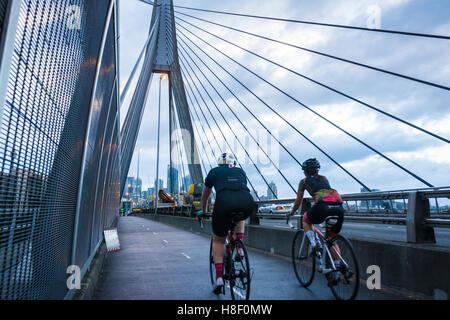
279	115
198	134
242	146
242	103
318	114
245	128
179	154
319	83
226	141
323	54
195	97
406	33
201	140
245	106
208	159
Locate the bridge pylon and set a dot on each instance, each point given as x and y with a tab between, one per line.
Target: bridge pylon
161	56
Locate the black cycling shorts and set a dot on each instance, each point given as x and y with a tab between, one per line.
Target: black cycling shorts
319	212
227	203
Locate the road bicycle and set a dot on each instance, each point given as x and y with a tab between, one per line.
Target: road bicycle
236	266
343	279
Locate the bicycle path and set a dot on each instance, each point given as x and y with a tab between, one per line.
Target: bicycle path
161	262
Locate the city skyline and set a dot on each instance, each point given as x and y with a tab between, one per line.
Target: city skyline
406	146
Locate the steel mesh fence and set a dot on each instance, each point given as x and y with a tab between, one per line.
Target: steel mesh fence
3	6
42	143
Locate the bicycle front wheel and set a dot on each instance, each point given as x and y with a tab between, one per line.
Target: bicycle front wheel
239	268
304	265
212	268
345	282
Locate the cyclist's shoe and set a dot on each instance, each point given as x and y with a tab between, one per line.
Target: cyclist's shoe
218	287
240	254
314	250
334	278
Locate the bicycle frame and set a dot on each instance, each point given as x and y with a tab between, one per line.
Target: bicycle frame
325	252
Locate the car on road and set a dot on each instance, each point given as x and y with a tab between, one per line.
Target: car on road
276	209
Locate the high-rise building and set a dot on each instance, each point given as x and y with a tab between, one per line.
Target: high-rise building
272	191
129	187
186	182
372	203
138	189
172	180
160	185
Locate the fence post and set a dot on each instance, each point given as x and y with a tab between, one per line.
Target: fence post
418	211
254	220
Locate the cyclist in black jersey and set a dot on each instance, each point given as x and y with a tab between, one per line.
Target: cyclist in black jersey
327	202
232	197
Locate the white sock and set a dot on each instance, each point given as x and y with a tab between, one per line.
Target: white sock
311	237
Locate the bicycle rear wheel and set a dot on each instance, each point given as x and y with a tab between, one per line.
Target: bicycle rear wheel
304	265
239	268
345	286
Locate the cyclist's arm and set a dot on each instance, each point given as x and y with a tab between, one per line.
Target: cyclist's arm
205	196
298	201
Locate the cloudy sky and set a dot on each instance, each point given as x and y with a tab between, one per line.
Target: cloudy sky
425	106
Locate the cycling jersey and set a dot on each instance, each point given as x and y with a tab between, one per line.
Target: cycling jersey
226	178
319	188
232	196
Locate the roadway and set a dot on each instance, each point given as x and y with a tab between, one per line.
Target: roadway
157	261
389	232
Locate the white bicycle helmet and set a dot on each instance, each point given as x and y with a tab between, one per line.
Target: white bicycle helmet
226	159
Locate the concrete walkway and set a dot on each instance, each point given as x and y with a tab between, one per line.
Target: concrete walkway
160	262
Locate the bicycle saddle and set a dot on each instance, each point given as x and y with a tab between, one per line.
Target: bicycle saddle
237	216
331	221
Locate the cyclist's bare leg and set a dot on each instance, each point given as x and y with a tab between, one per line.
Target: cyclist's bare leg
335	252
218	248
240	227
306	226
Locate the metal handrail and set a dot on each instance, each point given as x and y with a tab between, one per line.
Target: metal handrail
437	220
442	192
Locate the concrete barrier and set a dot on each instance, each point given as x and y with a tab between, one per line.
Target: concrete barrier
417	270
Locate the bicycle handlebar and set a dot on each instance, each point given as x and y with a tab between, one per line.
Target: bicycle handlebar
201	216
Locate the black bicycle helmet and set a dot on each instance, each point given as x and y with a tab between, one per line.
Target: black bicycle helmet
311	165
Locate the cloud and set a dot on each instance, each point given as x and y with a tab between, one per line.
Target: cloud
424	106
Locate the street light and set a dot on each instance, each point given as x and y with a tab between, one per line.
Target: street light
161	78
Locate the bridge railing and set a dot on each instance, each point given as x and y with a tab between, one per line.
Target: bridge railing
408	207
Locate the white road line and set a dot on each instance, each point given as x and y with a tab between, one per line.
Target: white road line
166	241
184	254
